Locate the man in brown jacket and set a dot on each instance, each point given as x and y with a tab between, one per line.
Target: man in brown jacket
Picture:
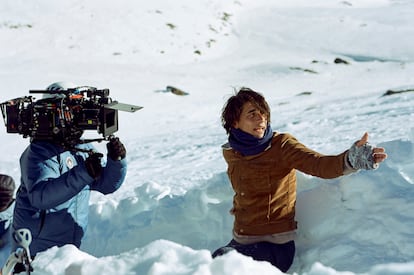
262	168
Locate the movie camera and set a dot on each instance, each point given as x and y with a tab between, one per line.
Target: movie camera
62	116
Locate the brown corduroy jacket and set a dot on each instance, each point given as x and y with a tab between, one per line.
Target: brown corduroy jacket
265	184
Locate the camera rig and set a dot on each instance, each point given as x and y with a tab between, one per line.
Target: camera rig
62	116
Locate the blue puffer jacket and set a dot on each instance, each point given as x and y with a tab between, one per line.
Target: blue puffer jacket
53	198
6	218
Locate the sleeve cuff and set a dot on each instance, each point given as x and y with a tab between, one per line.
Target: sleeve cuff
348	169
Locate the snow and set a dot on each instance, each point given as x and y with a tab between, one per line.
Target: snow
172	210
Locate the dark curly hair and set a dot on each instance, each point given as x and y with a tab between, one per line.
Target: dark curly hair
7	187
232	109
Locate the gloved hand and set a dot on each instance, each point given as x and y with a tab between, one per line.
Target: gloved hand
93	165
116	150
363	155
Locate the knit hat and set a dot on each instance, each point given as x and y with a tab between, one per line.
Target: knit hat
7	187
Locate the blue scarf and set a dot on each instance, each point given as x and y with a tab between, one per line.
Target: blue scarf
248	144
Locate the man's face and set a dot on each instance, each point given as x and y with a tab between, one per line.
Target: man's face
252	121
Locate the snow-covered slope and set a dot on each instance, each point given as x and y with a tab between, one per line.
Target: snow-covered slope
172	210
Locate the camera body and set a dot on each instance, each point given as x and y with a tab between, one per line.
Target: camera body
62	116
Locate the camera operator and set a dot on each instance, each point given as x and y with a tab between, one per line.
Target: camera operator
53	198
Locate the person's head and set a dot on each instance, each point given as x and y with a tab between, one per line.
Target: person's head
7	187
58	86
248	111
61	85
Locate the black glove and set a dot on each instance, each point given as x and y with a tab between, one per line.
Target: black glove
116	150
93	165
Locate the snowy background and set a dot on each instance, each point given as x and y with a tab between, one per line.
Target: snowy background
172	210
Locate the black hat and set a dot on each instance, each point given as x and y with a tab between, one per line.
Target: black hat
7	187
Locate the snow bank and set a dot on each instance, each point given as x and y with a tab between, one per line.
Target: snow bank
172	210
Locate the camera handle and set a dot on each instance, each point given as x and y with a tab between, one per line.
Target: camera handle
90	151
108	138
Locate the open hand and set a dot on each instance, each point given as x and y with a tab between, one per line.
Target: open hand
363	155
378	153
